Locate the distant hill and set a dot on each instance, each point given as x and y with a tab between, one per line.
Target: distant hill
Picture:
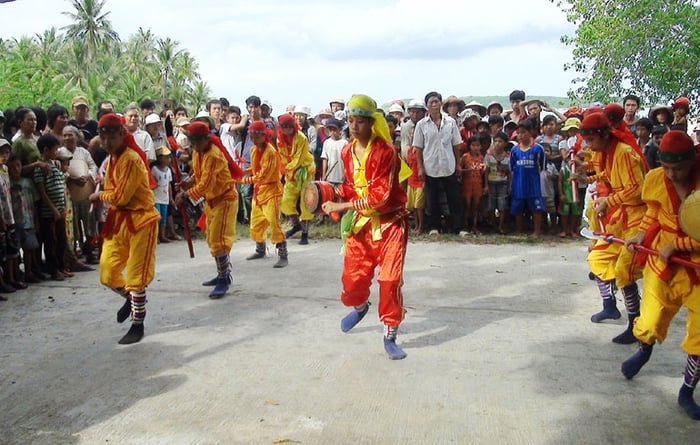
555	101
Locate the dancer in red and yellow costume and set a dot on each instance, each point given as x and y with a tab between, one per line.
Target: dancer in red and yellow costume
299	170
618	171
377	220
266	178
213	178
667	285
131	229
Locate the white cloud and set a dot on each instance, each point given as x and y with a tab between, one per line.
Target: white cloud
309	51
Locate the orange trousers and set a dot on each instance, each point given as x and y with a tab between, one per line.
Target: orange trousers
363	255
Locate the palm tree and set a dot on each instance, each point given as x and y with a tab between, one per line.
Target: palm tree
91	27
166	56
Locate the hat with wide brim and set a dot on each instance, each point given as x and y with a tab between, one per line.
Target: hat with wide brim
453	100
203	116
572	122
494	104
476	106
656	109
525	103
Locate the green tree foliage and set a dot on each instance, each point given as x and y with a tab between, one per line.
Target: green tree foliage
90	59
649	47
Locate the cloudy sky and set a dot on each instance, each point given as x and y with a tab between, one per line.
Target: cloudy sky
308	51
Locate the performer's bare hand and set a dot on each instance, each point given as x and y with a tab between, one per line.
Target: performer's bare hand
94	197
666	252
331	206
602	206
635	240
179	199
186	184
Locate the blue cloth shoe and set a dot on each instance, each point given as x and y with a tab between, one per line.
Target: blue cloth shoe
395	353
609	312
211	282
222	285
685	400
633	365
354	317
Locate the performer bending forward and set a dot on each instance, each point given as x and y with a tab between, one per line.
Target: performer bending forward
379	232
213	176
668	286
131	229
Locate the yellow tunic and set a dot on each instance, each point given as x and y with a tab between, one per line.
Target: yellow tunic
131	241
621	174
265	167
214	183
667	287
295	159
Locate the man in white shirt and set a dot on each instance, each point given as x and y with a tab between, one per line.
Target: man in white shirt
437	143
142	138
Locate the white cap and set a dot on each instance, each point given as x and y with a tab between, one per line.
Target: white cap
337	100
340	115
396	108
152	118
302	109
267	104
417	103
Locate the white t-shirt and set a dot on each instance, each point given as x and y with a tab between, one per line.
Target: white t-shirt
163	179
331	152
230	141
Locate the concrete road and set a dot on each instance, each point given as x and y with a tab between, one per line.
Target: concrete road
499	342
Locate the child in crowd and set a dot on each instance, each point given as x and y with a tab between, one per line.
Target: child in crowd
24	198
526	163
9	249
163	191
569	210
415	196
52	208
548	177
473	176
497	162
331	164
70	258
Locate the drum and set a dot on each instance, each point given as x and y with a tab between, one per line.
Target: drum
689	215
316	193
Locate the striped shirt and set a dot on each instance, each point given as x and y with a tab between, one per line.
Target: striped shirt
55	186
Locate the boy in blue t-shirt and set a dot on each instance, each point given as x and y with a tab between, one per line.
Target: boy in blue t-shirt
526	163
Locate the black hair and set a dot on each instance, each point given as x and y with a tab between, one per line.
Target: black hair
501	135
180	108
527	124
393	119
632	97
659	130
13	157
47	141
234	109
253	100
147	103
549	118
484	140
54	112
496	119
224	102
471	140
21	113
41	117
432	94
212	102
102	102
102	112
644	122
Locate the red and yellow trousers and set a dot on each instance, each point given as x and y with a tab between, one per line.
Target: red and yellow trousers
264	215
134	251
662	300
363	255
221	226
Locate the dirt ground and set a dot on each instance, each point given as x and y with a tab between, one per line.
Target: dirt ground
500	351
